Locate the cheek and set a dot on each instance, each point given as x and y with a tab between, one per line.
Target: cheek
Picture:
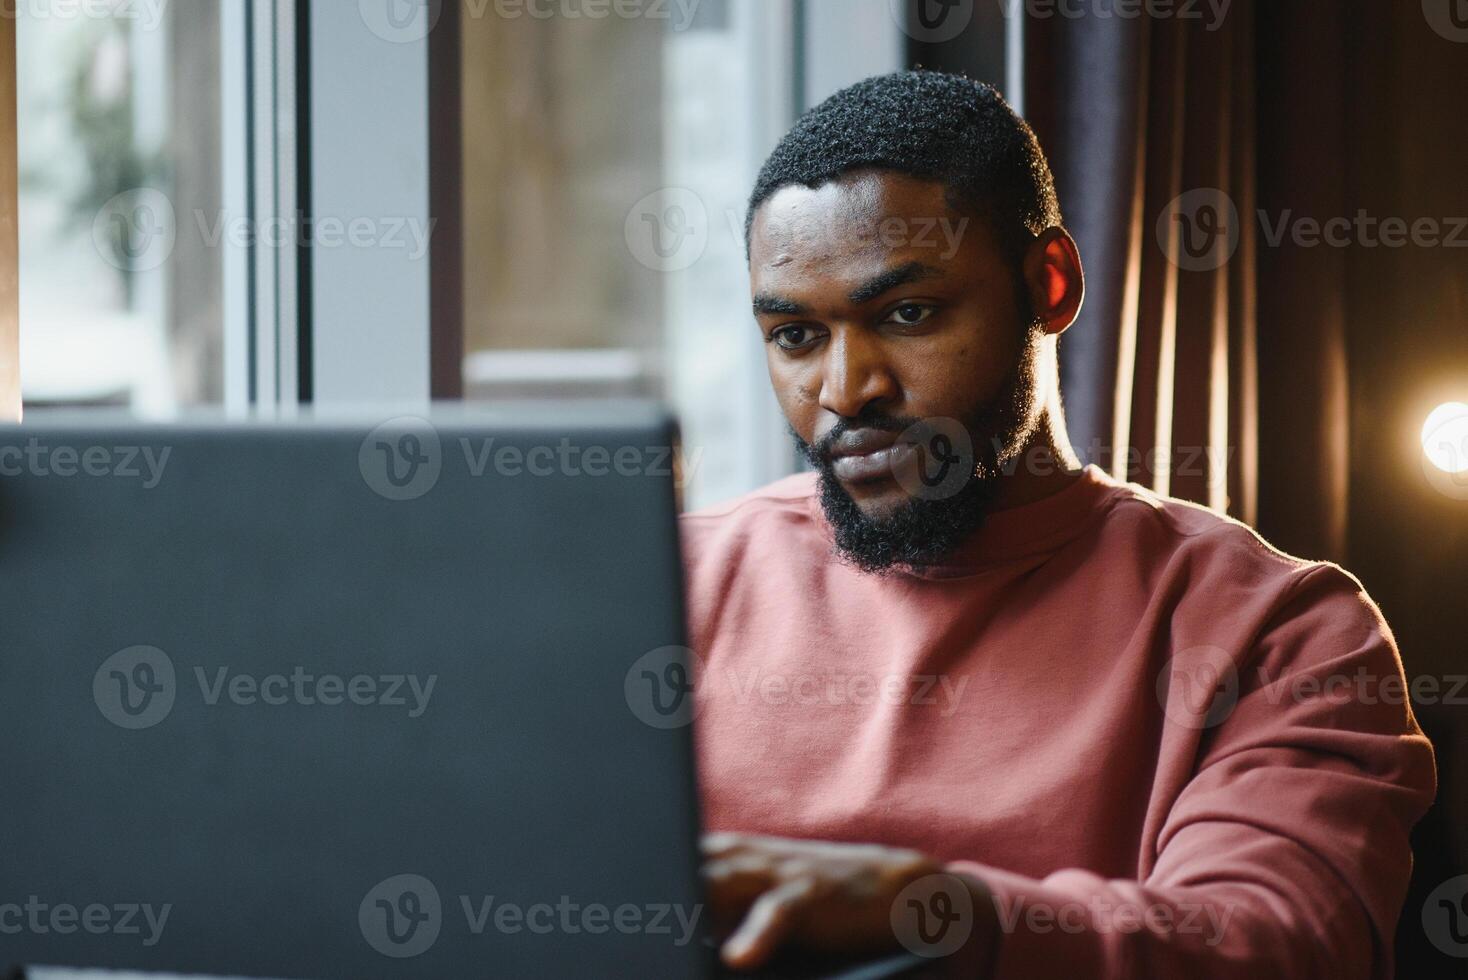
797	390
954	378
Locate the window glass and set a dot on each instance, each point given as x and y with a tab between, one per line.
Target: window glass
118	149
607	162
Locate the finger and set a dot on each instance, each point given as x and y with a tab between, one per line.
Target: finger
739	867
769	922
733	884
721	843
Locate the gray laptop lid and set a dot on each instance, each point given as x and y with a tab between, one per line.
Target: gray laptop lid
317	701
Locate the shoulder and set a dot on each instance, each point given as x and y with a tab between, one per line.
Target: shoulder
1227	565
1185	530
1225	569
791	491
769	513
789	497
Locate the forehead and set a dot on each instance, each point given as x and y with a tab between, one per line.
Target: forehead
847	230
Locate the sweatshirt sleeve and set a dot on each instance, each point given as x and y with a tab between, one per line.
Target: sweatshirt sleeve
1286	853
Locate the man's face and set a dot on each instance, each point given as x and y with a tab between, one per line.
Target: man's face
881	307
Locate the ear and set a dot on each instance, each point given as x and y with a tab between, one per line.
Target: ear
1055	280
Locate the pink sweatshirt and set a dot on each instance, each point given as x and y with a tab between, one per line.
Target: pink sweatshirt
1169	750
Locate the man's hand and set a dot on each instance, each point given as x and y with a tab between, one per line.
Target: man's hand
769	893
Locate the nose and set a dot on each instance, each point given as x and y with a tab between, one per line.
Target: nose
855	374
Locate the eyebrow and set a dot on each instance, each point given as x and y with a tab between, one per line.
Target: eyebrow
770	304
891	279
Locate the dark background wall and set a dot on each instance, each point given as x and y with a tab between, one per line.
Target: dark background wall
1402	109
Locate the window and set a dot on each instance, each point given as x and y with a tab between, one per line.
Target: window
599	166
119	173
606	160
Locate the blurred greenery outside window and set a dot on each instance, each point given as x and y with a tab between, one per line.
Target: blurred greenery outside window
118	122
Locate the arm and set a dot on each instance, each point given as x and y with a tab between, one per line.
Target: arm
1285	853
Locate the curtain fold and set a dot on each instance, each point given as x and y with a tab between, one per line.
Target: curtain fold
1192	329
1303	371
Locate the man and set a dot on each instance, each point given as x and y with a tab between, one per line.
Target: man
1032	720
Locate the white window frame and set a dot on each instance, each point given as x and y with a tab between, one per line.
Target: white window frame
363	313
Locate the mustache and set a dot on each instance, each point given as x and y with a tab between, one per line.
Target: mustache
819	452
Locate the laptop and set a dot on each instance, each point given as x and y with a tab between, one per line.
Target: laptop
349	698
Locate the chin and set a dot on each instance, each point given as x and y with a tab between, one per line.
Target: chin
877	501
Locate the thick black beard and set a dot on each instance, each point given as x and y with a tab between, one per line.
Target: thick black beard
917	535
921	533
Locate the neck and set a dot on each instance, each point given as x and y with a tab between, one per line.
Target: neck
1048	463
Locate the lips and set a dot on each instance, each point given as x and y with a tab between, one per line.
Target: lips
867	455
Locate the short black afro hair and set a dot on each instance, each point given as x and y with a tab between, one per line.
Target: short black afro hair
928	125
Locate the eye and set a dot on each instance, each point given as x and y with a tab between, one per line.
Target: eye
910	314
794	337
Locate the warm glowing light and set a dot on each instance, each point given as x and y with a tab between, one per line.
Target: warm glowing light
1445	437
